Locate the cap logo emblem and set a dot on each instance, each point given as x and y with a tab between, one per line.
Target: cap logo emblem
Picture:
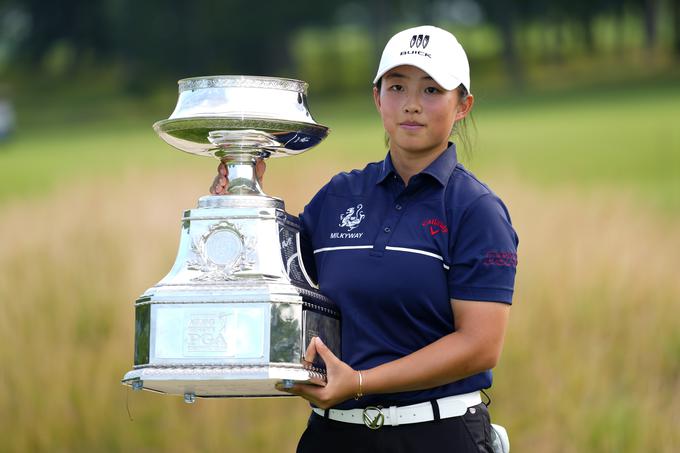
419	41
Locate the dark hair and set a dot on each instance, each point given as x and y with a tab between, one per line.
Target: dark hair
460	128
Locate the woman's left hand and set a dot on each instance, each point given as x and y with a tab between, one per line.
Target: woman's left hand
342	382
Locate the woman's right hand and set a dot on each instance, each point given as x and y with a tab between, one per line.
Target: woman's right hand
220	185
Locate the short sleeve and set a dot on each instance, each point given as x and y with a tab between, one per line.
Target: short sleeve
483	253
308	221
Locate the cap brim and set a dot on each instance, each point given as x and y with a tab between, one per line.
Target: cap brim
448	83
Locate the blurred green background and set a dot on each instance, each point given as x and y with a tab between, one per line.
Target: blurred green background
576	127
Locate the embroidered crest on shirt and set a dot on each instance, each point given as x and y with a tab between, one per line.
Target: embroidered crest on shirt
352	217
435	226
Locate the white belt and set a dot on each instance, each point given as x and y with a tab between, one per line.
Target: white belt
376	416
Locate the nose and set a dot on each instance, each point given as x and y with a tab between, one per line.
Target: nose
412	104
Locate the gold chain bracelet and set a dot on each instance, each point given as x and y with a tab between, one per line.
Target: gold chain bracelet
360	393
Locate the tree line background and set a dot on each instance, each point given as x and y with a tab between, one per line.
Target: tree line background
333	44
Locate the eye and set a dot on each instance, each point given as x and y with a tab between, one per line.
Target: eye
396	87
432	90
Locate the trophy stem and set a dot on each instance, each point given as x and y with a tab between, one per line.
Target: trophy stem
242	176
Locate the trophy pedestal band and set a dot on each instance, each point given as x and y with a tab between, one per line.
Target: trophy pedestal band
216	382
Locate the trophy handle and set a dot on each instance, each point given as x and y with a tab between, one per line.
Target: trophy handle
242	176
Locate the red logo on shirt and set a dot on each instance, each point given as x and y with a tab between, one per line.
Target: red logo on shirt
435	226
506	259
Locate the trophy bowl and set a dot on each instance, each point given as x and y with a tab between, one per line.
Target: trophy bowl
237	311
227	115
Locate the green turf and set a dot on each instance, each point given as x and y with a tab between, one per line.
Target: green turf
622	137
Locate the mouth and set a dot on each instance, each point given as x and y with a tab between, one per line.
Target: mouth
411	125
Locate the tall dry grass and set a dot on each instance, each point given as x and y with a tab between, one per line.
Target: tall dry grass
592	357
591	363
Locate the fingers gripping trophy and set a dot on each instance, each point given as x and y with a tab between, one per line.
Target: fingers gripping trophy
237	311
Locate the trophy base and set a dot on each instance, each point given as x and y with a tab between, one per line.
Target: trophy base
219	381
237	311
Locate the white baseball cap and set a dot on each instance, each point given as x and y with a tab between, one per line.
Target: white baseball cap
435	51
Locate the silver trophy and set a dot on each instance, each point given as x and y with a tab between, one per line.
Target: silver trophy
237	310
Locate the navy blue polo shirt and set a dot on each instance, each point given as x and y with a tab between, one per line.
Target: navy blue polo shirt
392	256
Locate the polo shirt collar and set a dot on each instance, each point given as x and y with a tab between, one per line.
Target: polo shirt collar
440	169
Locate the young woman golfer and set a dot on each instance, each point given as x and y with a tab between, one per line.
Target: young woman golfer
420	257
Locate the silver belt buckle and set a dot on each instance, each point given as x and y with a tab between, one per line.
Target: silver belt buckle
374	417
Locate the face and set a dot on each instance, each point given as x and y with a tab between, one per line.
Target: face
417	113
